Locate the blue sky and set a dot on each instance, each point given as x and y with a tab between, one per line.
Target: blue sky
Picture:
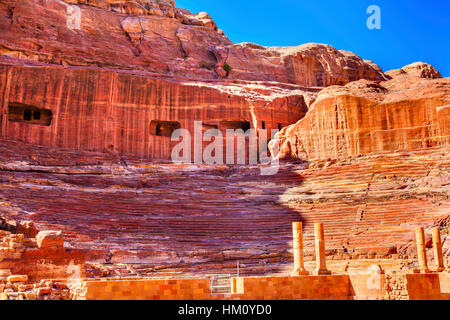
411	30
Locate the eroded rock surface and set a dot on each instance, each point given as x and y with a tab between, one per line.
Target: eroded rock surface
155	36
418	69
363	117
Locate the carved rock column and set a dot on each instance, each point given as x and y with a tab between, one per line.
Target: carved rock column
321	265
437	250
421	251
299	265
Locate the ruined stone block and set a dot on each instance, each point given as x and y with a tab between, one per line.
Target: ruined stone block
50	239
17	278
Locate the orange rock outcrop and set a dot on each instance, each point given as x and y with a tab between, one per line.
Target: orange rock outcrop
154	36
116	71
363	117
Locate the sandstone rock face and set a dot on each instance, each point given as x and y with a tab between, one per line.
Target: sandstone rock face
116	71
418	69
111	111
362	117
308	64
154	36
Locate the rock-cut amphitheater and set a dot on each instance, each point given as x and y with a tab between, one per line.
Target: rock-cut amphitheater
92	207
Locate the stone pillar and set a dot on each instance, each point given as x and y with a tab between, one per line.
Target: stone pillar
437	250
421	251
321	264
299	265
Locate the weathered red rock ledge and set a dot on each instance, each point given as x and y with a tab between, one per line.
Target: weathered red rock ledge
155	36
408	112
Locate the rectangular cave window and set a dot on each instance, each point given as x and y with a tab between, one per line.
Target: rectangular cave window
162	128
209	126
36	115
19	112
211	129
235	124
27	115
263	125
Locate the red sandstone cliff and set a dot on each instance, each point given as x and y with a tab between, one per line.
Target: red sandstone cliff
409	112
114	111
154	36
103	74
141	62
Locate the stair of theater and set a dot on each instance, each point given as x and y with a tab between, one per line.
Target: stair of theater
384	218
205	227
233	217
220	284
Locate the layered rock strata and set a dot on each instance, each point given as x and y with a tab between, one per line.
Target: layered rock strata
110	76
120	112
363	117
160	218
154	36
